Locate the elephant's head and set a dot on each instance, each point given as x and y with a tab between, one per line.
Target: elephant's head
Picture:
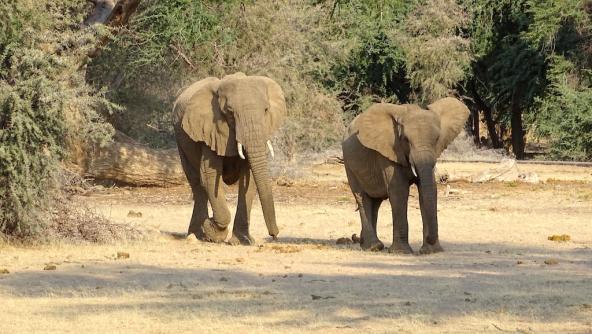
415	138
236	116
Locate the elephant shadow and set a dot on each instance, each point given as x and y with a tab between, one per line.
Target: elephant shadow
315	242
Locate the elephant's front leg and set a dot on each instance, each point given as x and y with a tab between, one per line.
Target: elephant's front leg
398	197
200	197
246	193
190	154
215	229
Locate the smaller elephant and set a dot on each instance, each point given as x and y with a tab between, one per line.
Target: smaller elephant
223	127
388	148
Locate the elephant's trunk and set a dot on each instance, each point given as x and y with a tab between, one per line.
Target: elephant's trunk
428	196
254	141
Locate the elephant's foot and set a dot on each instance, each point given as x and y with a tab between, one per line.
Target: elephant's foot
369	241
240	238
213	233
430	249
197	230
400	248
373	245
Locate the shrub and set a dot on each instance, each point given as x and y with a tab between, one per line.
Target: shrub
564	112
44	105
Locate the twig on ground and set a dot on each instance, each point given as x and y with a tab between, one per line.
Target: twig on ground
499	329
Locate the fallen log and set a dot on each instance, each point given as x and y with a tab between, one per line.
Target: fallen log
126	161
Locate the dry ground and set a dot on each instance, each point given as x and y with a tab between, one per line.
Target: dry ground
492	277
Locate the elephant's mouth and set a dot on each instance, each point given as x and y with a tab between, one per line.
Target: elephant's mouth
421	159
241	151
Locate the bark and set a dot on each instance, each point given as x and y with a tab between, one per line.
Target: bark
112	13
100	13
490	123
128	162
487	114
475	122
517	130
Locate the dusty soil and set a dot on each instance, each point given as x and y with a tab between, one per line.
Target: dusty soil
500	273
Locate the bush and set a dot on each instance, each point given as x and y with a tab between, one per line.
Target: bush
564	112
44	105
438	56
374	72
408	51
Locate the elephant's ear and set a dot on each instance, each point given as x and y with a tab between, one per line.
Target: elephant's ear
453	116
378	128
277	105
198	111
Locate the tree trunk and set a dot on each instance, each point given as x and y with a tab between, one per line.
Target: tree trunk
112	13
495	139
516	124
128	162
476	134
487	114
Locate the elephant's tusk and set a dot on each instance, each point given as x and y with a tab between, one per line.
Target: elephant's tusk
413	170
240	151
270	149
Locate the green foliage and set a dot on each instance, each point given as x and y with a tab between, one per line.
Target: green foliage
549	18
507	67
565	115
407	51
437	55
163	32
44	104
535	54
375	71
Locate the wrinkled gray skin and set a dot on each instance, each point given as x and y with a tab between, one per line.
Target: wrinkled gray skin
386	150
213	118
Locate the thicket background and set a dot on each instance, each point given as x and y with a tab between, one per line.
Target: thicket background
524	67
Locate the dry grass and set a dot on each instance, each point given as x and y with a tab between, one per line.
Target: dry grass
75	224
463	149
499	272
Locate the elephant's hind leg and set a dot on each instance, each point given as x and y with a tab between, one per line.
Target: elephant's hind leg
367	207
246	193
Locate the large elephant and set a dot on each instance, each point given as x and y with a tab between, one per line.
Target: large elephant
389	147
222	130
